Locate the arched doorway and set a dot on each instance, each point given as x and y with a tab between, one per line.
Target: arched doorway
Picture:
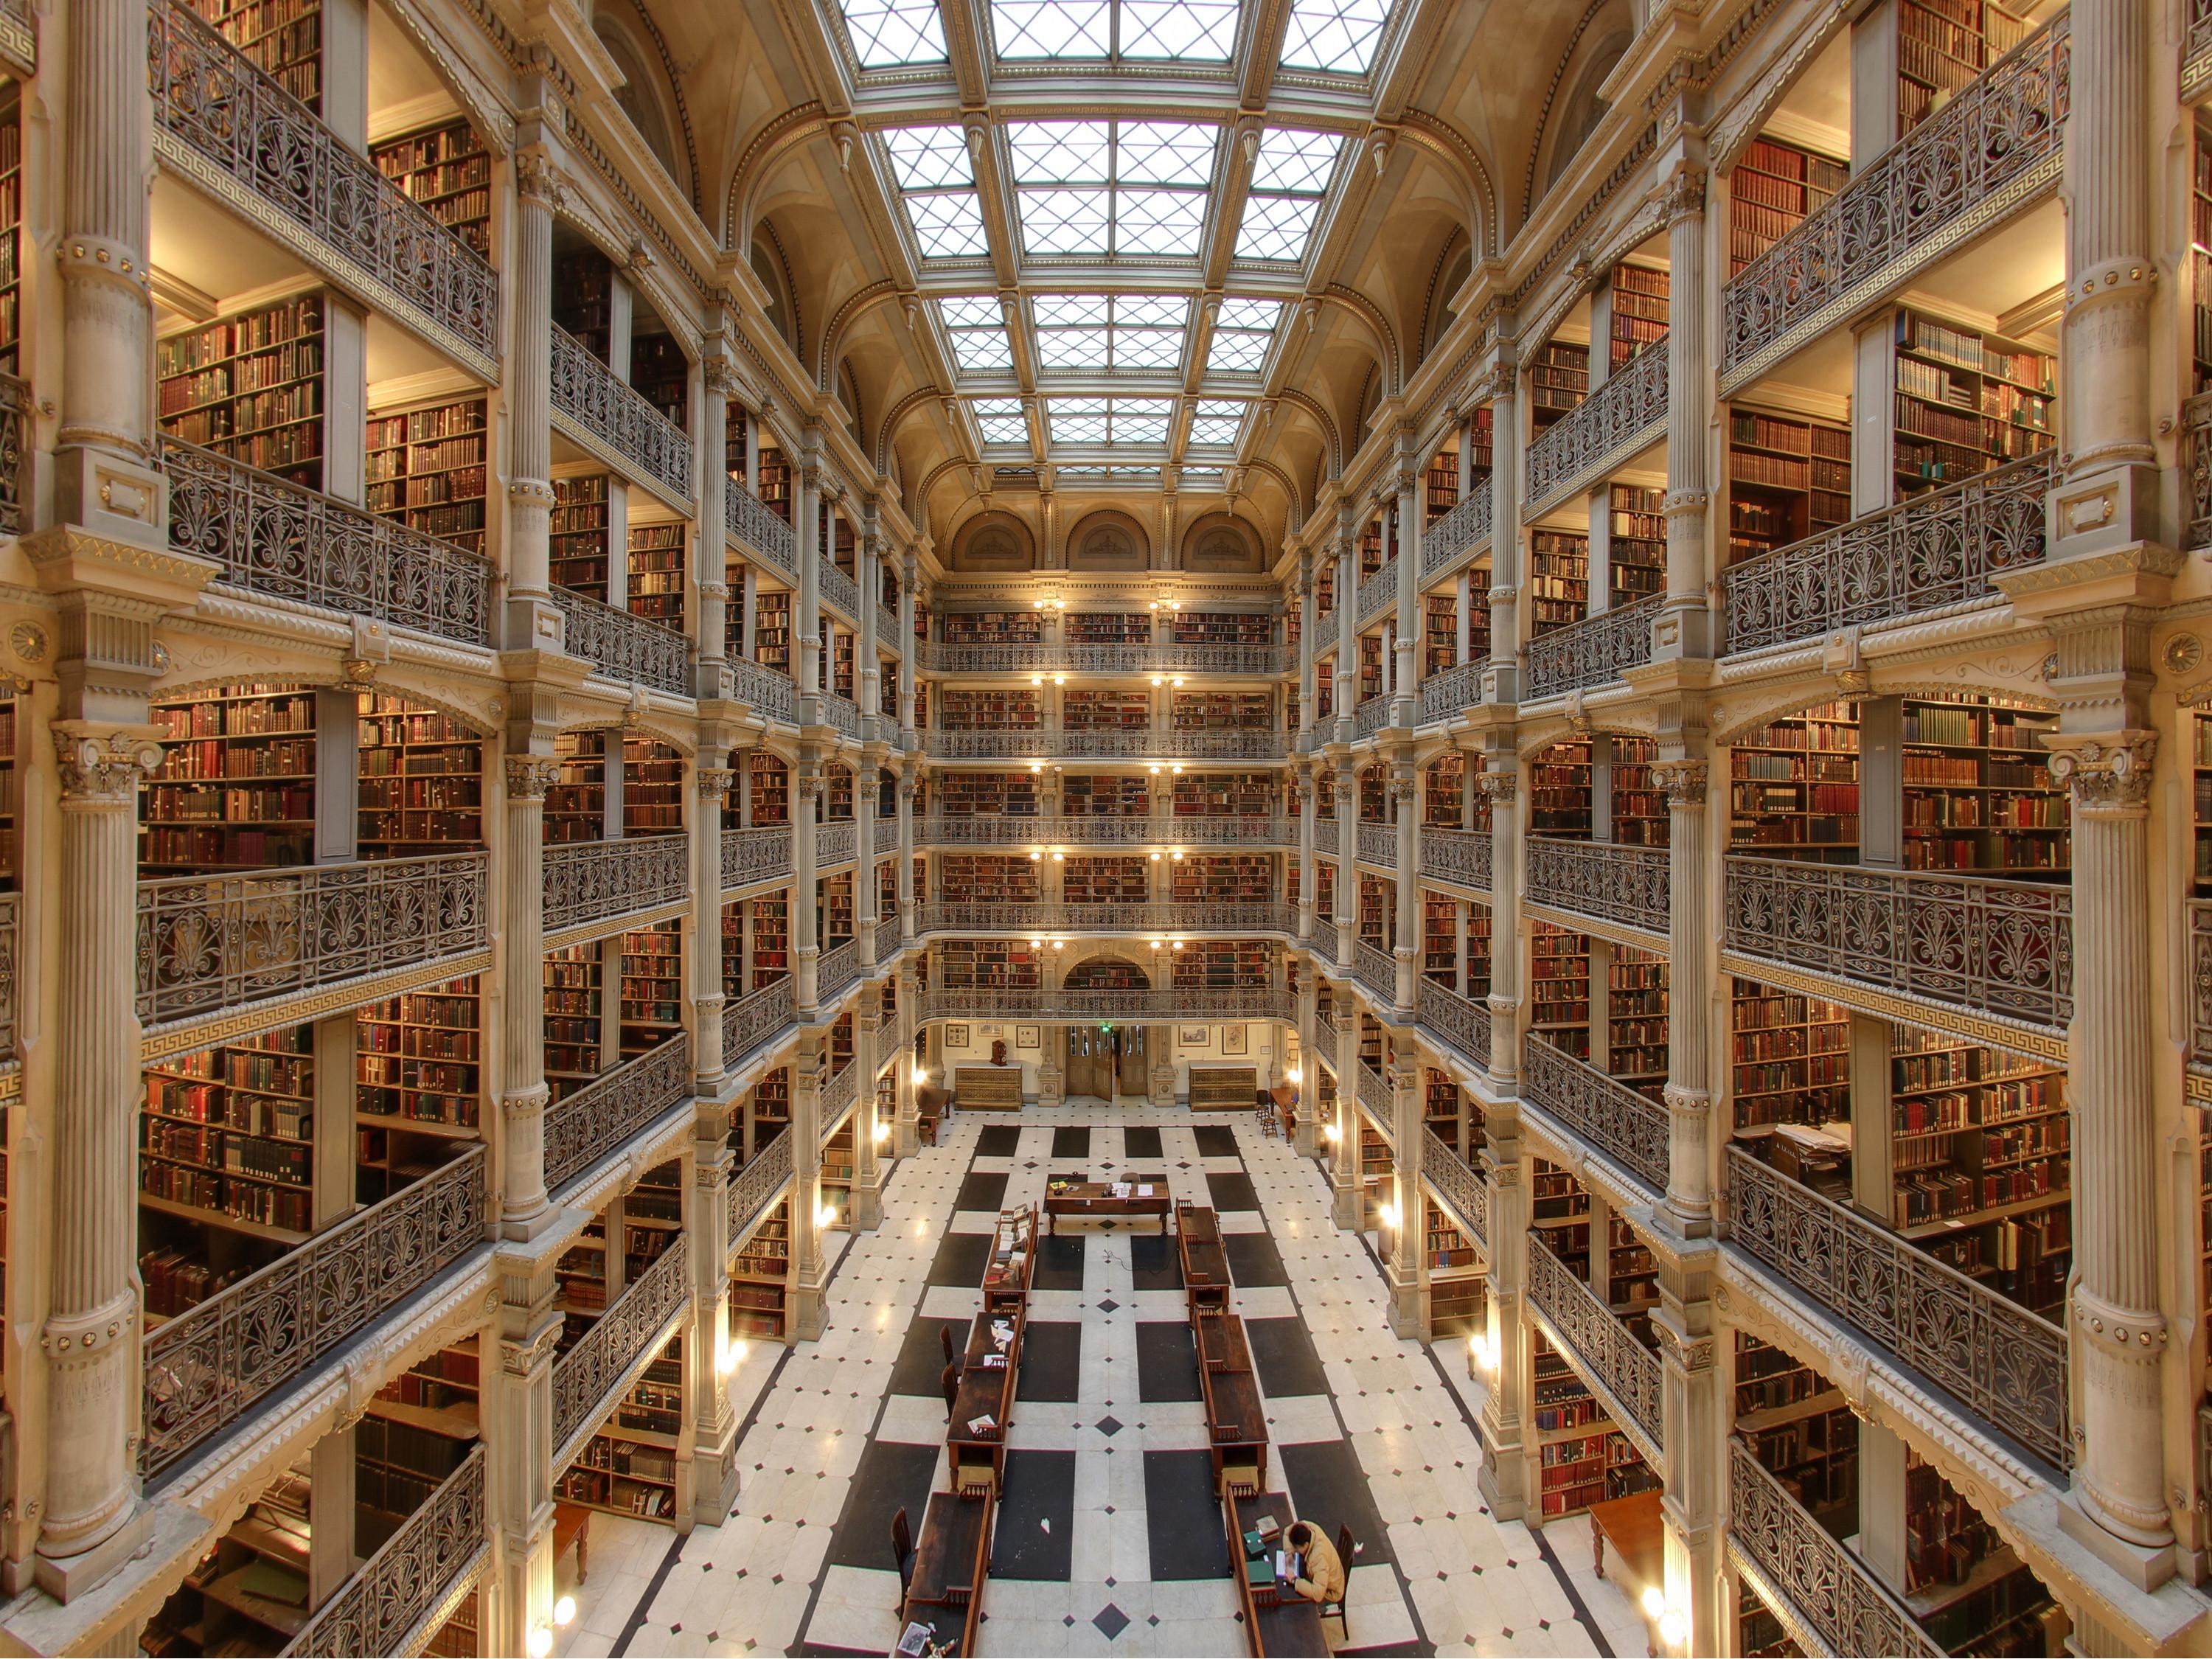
1105	1059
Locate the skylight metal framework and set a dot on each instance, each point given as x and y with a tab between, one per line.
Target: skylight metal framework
1109	332
895	34
1138	31
936	182
1002	420
1215	423
1290	176
1243	331
1341	37
1112	189
977	329
1094	422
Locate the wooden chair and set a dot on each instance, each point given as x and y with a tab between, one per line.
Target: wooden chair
1241	1472
902	1550
1346	1552
945	1335
975	1471
951	1382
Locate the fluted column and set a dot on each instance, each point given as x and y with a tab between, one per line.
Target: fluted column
1691	944
1405	801
2111	275
1303	793
713	1432
1406	683
717	380
1404	1272
1347	867
1501	788
808	1074
1502	1357
524	1208
1347	624
905	1130
867	1202
866	785
909	781
867	672
1501	681
1307	1082
909	573
1689	419
808	602
1307	594
529	393
806	911
712	783
1344	1176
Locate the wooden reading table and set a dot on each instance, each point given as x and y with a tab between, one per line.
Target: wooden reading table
1083	1198
951	1559
1013	1260
1277	1620
978	1455
1205	1263
1236	1421
1633	1527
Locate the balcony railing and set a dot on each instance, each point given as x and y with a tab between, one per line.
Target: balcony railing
1939	549
840	593
1460	1021
1995	145
751	855
755	524
1466	526
208	1367
586	1377
1324	939
1608	1350
1018	831
1626	412
625	648
835	970
755	1020
1465	1193
1458	855
1327	838
15	447
1256	1002
757	1186
1452	692
2200	976
243	138
888	636
1378	591
276	540
1370	716
1596	651
1378	845
1143	743
2196	53
610	415
1375	1101
590	881
1828	1589
1973	942
764	690
839	1092
2005	1364
1377	970
1601	879
210	944
1192	916
840	715
611	1110
1325	1038
1169	656
1631	1130
835	843
2197	474
411	1574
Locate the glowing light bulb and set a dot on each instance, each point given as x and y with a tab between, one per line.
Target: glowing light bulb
1292	1074
826	1216
1672	1629
541	1641
1655	1601
882	1132
921	1076
564	1613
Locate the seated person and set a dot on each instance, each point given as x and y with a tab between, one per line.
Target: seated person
1319	1574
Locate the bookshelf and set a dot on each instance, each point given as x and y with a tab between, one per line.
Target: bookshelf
1636	1020
1638	543
1770	190
1963	1582
1631	1283
579	529
1093	881
1222	627
990	711
1639	811
972	965
1788	477
421	783
428	469
833	910
1792	1055
1979	794
988	794
404	1448
448	170
227	1136
418	1059
841	662
249	387
770	783
11	227
1794	786
775	478
283	38
652	988
576	805
770	931
1440	485
1796	1424
1478	950
996	627
987	878
1559	579
1439	631
771	1107
772	628
836	1184
661	374
734	419
1558	379
1942	46
1967	401
1096	711
573	1040
249	1594
1459	1302
583	299
235	789
1223	711
1639	311
1374	1174
1222	794
1104	627
1440	938
1760	1634
760	1279
631	1470
2200	739
1559	1210
652	788
1559	988
1223	965
1560	790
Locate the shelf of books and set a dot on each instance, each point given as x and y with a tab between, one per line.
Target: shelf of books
249	1594
1559	579
235	789
1093	711
1632	1272
1224	627
1558	379
652	788
628	1467
989	794
771	1104
1638	543
576	805
580	1281
1458	1302
2199	732
11	227
447	171
1798	1425
249	386
661	374
227	1137
1790	1056
833	910
839	664
579	529
1967	402
1581	1459
769	930
652	996
760	1279
1478	950
1559	988
1963	1582
1374	1174
1772	188
1788	477
1440	938
1942	46
417	1061
1559	1212
283	39
1224	964
1636	1020
421	788
428	469
573	1043
1217	795
583	299
1794	786
1639	810
1225	878
1371	546
768	785
1440	485
837	1171
419	1429
1440	631
987	965
1096	881
990	711
1760	1634
772	628
1639	311
1224	711
997	627
987	878
1979	794
1101	628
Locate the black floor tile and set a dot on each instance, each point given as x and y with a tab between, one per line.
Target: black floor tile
1253	1261
1283	1352
1059	1264
1216	1140
1154	1264
998	1140
1183	1517
890	1477
1229	1192
1141	1142
1167	1361
981	1192
1329	1488
919	1367
1071	1141
1052	1359
1039	1487
960	1260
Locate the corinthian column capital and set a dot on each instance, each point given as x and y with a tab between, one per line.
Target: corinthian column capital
103	765
531	777
1684	781
2108	772
1497	787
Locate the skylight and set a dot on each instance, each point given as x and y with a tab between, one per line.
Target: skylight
1202	476
1001	420
1175	31
936	183
1114	188
1243	330
1109	331
886	34
1215	423
1110	475
978	330
1288	176
1089	421
1341	36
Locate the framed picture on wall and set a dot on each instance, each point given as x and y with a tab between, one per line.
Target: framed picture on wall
956	1037
1029	1036
1232	1039
1193	1037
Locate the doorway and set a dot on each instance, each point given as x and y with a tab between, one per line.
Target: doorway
1105	1062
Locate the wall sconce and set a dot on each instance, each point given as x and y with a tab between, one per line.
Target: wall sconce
1060	858
1293	1076
826	1216
882	1132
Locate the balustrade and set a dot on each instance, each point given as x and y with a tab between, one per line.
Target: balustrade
211	944
2196	53
1041	743
1371	716
1463	1192
841	593
1377	970
1019	831
1328	839
1609	1115
2005	1364
1375	1100
1627	411
1378	591
1325	1039
632	650
8	989
1197	1003
412	1573
1596	651
1221	916
759	854
1378	845
757	1186
1460	1021
1608	1352
1458	855
835	971
755	525
840	715
763	689
612	1109
1460	531
606	413
2200	967
1324	939
838	1096
14	423
1452	692
1169	656
1605	879
835	843
590	881
587	1378
887	630
754	1020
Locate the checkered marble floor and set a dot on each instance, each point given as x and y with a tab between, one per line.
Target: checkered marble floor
1106	1541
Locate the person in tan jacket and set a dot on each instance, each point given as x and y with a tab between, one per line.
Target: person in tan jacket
1320	1573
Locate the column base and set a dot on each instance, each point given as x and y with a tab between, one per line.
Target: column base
807	1318
1408	1318
66	1578
1052	1086
1347	1208
1498	1481
866	1214
906	1137
2145	1566
714	1476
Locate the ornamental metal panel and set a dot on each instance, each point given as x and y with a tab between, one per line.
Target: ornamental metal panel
223	943
1194	1004
1460	1021
586	1378
839	1092
757	1186
755	1020
2200	971
835	843
409	1574
612	1109
7	987
1107	832
1463	856
1625	412
1052	916
1632	1130
758	854
589	881
1606	1348
2006	1365
207	1367
277	540
632	650
759	526
1941	548
1378	845
1039	742
1997	947
1324	939
1463	1190
840	715
1378	591
14	431
1169	656
1596	651
1375	1100
887	630
836	970
841	594
763	688
1605	880
618	419
1377	969
1452	692
1460	531
1371	716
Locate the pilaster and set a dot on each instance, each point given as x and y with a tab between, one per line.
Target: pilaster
1690	945
525	1209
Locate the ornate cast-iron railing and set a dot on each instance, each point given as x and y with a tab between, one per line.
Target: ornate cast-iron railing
1465	1193
1993	146
755	1018
586	1376
840	715
1324	939
1460	1021
1057	917
1143	743
1601	879
835	843
754	523
589	881
2197	481
1938	549
841	594
1608	1350
211	942
835	970
1327	838
1828	1589
1466	526
1107	832
758	854
1377	969
1371	716
1632	1131
756	1185
1169	656
2200	978
1452	692
1458	855
2196	53
1325	1038
15	442
625	648
763	688
208	1367
243	138
1378	591
888	637
1596	651
279	541
8	990
612	1109
411	1571
1997	947
1254	1003
1625	412
2006	1365
1374	1098
1378	845
838	1093
618	417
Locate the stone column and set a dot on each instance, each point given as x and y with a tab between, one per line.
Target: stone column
1344	1178
1501	680
910	573
867	1206
1405	801
806	909
717	380
1347	867
1682	631
909	781
1347	624
712	783
1309	1079
906	1130
867	671
1404	1269
808	1074
1306	591
1504	1421
1406	683
525	1210
1500	787
517	1412
1690	945
1695	1416
713	1424
1303	793
866	787
807	671
532	623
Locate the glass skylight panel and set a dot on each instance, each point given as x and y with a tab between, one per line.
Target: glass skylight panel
1173	31
1215	423
1051	28
978	330
1108	474
1087	421
1341	36
1202	477
1182	31
1288	176
888	33
1134	188
1109	331
936	184
1001	420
